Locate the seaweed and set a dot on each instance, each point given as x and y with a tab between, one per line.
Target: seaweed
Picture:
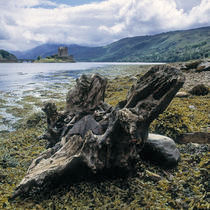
184	187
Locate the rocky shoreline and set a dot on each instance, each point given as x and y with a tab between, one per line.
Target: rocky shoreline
182	187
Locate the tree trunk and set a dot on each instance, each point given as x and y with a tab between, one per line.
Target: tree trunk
91	136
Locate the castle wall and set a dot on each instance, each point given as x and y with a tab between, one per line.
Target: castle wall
63	52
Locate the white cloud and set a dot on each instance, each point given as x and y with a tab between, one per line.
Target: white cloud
27	23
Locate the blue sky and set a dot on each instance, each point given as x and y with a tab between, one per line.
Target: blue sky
75	2
28	23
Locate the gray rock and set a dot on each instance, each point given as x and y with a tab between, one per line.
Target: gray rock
133	79
182	95
192	107
199	90
204	66
161	150
193	64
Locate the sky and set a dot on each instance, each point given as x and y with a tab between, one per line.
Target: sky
25	24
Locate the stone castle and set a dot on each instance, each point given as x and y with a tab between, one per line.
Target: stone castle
63	55
63	52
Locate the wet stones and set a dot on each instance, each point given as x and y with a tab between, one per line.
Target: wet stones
199	90
204	66
182	94
161	150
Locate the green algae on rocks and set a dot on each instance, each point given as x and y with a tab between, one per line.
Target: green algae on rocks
185	187
183	116
182	187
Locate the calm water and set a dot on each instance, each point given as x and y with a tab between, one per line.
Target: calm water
24	86
15	75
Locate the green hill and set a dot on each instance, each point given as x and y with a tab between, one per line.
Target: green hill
7	57
165	47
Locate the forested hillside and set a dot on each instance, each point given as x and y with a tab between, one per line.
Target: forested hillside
164	47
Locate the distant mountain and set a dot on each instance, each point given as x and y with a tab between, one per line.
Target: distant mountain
42	50
164	47
7	57
81	53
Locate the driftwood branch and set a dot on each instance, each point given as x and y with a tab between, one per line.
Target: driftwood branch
91	136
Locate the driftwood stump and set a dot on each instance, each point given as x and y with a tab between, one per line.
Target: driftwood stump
91	136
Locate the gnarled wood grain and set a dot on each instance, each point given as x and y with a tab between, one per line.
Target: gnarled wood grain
94	136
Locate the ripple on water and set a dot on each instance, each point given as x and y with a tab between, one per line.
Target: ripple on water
26	92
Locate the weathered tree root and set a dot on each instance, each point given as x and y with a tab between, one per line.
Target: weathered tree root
90	133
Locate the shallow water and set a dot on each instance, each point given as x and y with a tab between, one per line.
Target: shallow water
24	86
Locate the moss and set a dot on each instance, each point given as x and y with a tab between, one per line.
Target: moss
20	112
20	147
34	119
184	187
117	90
3	103
45	61
25	106
182	116
31	99
54	60
7	160
16	111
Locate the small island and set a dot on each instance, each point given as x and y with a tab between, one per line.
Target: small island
62	57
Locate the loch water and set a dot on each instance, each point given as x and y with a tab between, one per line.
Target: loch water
25	86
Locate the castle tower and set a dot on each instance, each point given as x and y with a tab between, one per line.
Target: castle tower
63	52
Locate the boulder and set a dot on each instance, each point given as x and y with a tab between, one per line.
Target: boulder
182	95
199	90
204	66
133	79
91	137
192	64
161	150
